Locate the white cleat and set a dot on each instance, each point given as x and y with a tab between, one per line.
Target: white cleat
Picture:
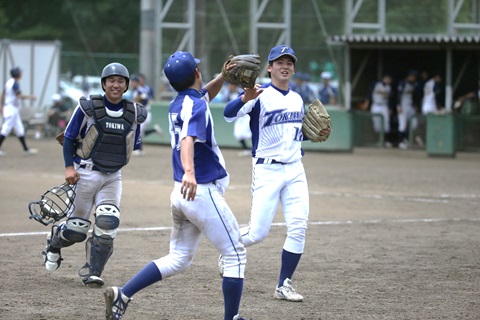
31	152
158	129
287	292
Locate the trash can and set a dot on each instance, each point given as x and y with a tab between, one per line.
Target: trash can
441	135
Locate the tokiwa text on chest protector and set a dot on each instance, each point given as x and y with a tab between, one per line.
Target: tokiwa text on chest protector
110	141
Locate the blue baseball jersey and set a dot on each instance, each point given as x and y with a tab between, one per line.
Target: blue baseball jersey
189	115
275	121
79	124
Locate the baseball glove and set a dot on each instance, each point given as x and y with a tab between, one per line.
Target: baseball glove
316	119
59	137
245	72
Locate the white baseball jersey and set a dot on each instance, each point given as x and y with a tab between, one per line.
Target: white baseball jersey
11	111
278	175
276	124
429	103
381	94
406	90
12	89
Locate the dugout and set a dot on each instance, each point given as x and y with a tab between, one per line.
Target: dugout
455	58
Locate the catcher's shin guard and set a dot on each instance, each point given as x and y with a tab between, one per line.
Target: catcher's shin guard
99	247
98	250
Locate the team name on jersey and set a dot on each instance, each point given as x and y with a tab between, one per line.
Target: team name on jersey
113	125
279	116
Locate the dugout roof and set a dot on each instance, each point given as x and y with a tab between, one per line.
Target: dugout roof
407	40
368	56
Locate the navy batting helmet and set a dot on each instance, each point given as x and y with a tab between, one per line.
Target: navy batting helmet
15	72
116	69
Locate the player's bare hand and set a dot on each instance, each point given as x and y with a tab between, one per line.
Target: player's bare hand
71	175
230	66
251	93
326	132
189	187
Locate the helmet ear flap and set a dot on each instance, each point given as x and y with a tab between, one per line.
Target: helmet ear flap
54	205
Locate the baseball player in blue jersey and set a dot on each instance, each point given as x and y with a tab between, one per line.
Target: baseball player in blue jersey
10	109
98	141
276	114
143	94
197	202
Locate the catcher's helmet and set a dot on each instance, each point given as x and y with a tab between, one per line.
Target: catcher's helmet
53	205
15	72
115	69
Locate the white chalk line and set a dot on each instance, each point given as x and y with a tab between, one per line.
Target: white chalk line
442	198
281	224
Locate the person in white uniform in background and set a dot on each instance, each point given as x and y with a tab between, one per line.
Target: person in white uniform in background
10	110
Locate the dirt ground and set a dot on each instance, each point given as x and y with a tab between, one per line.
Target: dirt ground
393	235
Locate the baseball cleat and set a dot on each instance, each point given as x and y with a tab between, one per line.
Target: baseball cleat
237	317
158	129
93	281
116	303
287	292
31	151
220	265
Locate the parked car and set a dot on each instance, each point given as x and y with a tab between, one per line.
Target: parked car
70	92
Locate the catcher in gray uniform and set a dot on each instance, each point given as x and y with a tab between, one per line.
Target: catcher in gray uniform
97	143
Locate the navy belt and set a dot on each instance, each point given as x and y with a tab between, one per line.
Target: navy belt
262	161
84	166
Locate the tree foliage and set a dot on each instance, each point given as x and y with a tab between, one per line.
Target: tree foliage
81	25
222	27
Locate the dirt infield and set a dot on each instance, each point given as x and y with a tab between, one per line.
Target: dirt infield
393	235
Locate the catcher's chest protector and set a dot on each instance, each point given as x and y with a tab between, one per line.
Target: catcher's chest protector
109	142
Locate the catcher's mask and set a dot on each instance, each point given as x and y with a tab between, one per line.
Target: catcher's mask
54	204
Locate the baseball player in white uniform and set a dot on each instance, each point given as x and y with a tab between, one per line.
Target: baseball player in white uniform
278	176
406	106
380	98
10	108
431	92
98	141
197	202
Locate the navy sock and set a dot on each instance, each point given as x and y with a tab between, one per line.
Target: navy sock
24	144
145	277
289	264
232	293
